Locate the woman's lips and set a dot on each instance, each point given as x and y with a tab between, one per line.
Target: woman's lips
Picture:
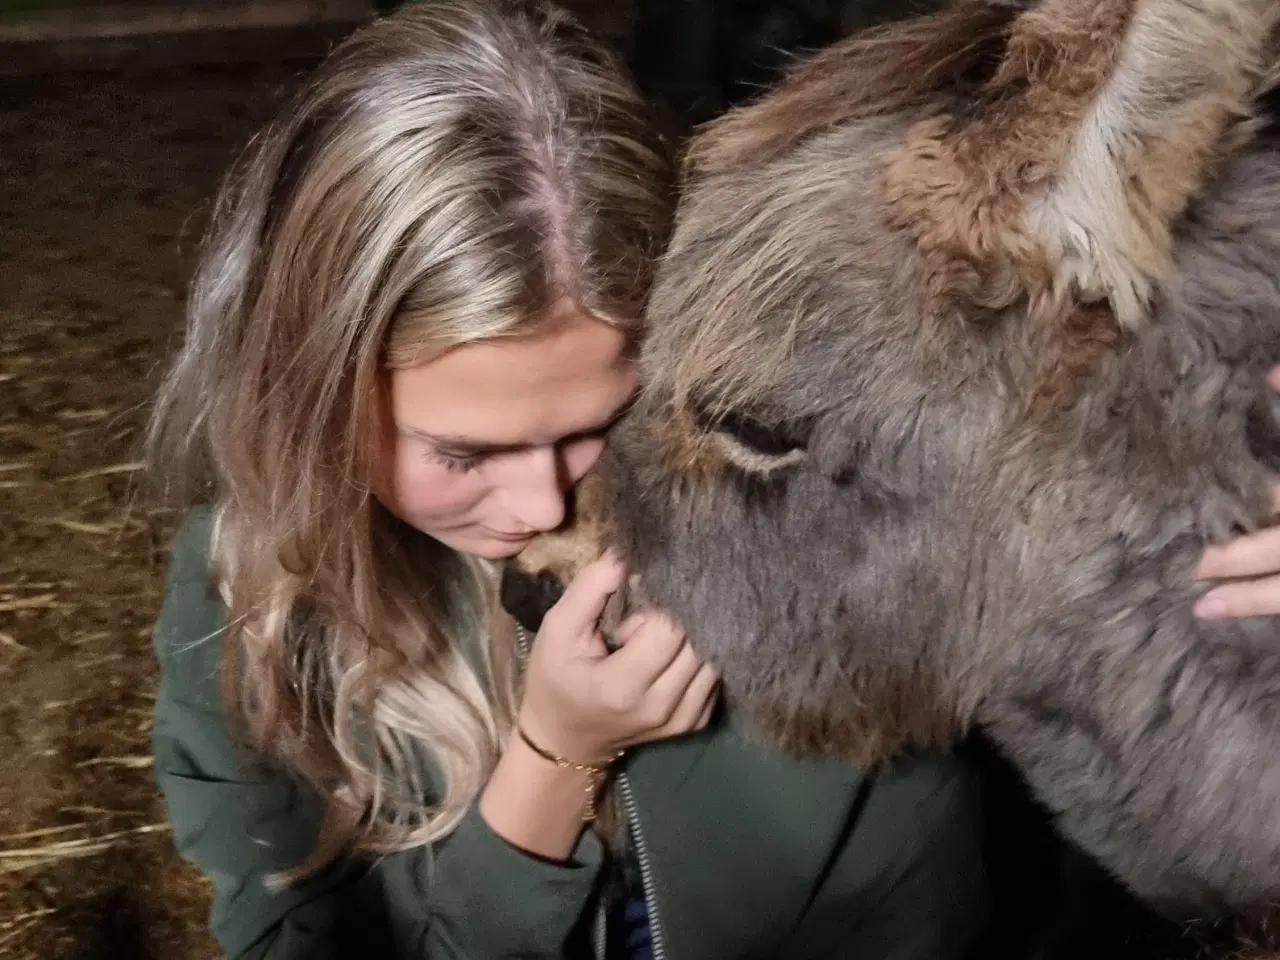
511	537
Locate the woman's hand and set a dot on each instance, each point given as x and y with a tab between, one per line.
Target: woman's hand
1254	556
584	704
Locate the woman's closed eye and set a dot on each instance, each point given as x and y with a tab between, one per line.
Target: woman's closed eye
469	458
455	462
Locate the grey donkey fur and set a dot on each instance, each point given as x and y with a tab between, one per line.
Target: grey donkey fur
866	518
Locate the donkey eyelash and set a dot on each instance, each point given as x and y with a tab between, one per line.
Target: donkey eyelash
751	445
751	460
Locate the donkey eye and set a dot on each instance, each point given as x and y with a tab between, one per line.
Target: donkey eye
751	444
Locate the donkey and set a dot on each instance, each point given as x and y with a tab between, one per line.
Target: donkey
955	366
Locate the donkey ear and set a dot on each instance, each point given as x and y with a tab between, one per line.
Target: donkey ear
1178	98
1102	122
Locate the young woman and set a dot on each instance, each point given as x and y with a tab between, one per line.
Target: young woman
412	325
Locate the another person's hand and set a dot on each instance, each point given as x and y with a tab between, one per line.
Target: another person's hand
584	703
1252	561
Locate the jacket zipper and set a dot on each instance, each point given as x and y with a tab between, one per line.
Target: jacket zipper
523	642
642	857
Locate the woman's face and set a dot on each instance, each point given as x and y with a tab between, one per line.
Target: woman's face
486	440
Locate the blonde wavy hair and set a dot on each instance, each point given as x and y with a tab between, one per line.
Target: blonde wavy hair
448	173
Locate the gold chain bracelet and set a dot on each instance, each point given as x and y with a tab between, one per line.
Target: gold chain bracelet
595	771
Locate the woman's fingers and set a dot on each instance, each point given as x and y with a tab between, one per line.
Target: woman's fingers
667	692
695	707
709	708
1255	555
1251	555
682	699
577	612
650	643
1251	598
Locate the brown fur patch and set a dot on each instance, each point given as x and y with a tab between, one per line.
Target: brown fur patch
685	450
961	189
1086	334
885	716
874	73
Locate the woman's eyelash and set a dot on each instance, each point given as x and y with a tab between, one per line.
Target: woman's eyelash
454	464
462	463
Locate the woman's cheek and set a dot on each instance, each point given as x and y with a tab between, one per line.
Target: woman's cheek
428	494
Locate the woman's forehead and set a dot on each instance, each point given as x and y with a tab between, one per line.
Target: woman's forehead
512	392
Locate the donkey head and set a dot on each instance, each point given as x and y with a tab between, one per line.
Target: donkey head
888	284
887	279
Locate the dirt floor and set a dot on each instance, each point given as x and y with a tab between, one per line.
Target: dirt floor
104	185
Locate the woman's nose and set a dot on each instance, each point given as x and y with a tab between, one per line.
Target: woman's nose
536	494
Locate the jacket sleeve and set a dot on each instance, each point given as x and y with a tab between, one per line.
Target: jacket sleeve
473	896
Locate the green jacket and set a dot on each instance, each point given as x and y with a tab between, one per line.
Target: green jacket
746	853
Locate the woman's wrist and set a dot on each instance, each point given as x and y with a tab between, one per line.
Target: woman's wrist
534	803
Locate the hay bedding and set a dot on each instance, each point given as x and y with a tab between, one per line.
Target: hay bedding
104	182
